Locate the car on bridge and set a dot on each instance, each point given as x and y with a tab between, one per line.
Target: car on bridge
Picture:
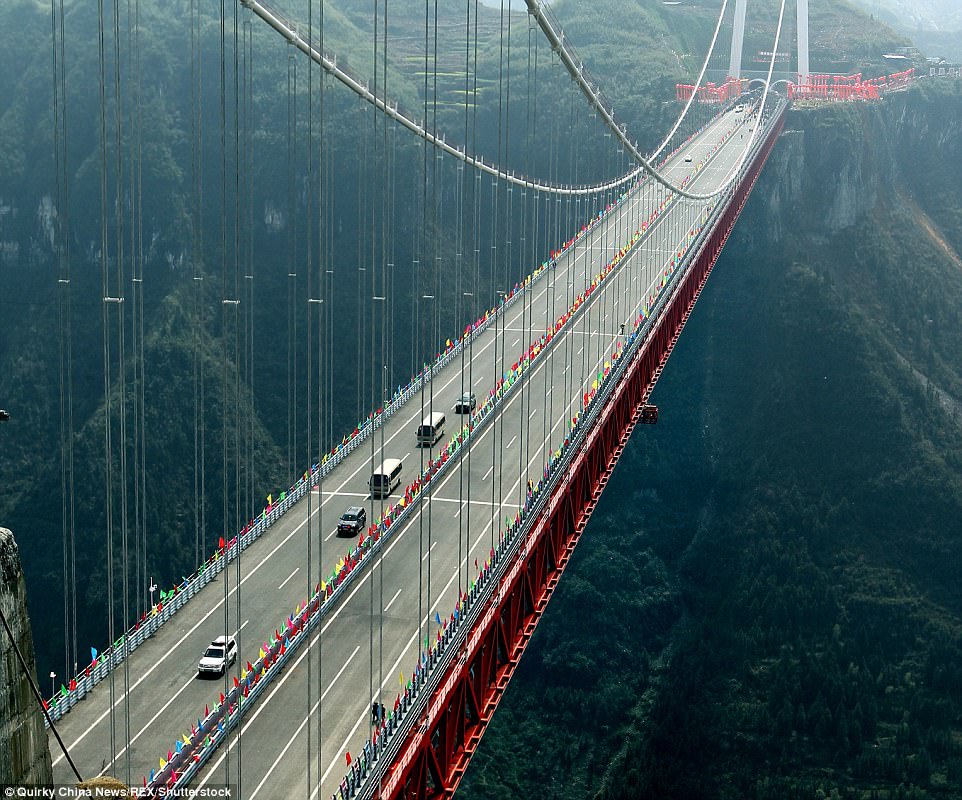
466	403
220	654
352	521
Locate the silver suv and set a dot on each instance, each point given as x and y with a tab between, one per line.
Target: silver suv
221	653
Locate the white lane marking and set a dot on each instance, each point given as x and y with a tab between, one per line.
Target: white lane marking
486	474
157	663
531	415
296	570
391	601
515	342
301	726
183	638
433	545
153	719
511	442
384	683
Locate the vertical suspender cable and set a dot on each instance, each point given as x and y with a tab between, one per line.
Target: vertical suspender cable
325	266
121	373
197	236
421	348
105	318
291	250
310	365
139	254
460	294
235	523
64	319
435	336
225	394
476	271
372	363
387	216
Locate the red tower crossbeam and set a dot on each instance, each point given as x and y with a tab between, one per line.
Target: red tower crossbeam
436	752
710	93
842	88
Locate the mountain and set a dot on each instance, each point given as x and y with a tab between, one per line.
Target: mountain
919	15
766	600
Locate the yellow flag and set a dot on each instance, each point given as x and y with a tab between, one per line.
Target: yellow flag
401	678
186	739
269	499
262	652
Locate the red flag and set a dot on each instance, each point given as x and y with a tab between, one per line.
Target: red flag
220	545
236	684
347	757
206	711
222	698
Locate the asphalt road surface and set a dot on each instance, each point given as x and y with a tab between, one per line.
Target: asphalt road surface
296	736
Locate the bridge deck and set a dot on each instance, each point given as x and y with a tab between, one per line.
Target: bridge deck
467	504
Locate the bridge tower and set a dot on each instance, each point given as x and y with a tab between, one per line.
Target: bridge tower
802	33
738	39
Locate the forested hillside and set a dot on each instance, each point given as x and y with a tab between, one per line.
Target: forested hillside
767	601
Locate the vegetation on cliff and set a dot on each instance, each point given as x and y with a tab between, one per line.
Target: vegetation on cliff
794	517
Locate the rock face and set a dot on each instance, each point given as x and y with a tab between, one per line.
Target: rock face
24	754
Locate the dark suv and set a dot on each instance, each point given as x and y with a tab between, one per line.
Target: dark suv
352	521
466	403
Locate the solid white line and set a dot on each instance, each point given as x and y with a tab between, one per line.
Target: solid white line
511	442
296	570
490	470
183	638
324	502
301	726
153	719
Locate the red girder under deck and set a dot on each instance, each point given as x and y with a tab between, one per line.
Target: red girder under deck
435	754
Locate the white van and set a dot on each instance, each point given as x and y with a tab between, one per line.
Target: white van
386	478
431	429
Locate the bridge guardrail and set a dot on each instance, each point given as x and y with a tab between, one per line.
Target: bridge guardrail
172	601
180	767
384	746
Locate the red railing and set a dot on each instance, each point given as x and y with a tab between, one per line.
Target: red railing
435	753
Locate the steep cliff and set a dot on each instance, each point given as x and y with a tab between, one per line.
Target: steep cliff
24	755
797	505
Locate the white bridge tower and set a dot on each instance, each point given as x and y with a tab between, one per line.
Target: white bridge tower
738	39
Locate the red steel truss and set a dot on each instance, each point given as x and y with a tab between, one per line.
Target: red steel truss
436	752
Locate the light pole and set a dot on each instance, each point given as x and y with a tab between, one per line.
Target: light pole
152	588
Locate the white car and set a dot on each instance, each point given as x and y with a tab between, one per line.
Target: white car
220	654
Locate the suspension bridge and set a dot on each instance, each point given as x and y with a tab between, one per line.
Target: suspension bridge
370	666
